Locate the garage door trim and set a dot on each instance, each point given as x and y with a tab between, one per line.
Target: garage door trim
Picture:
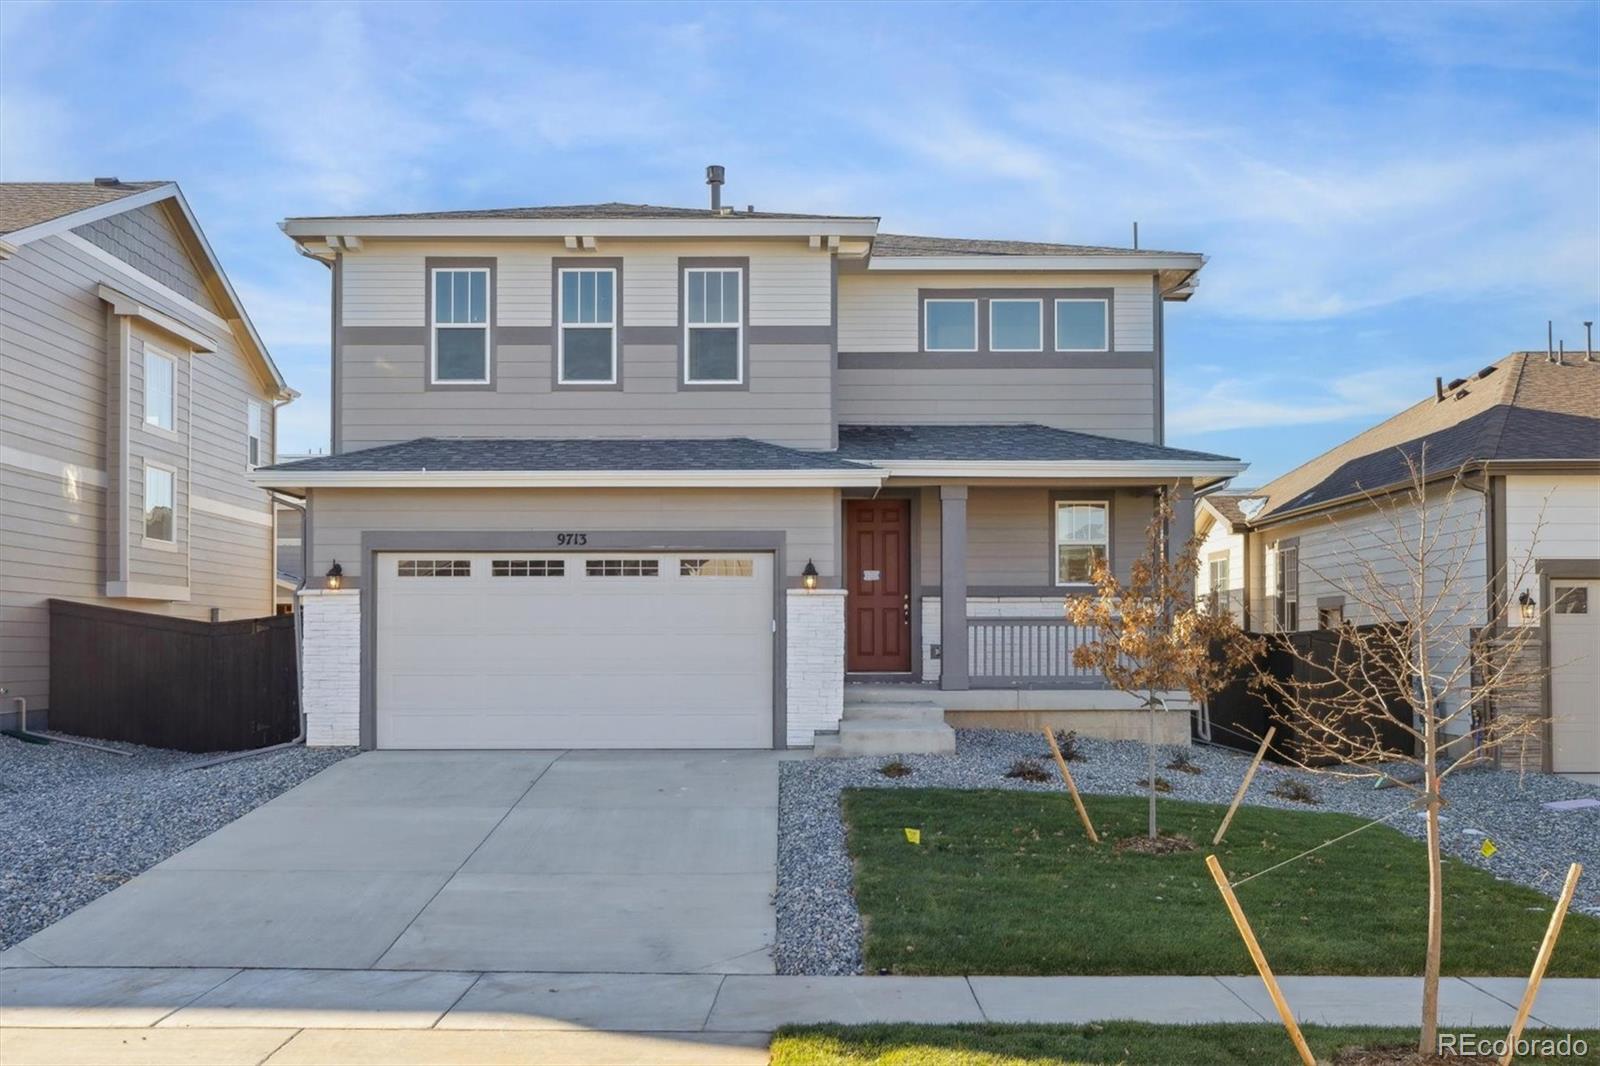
373	543
1558	570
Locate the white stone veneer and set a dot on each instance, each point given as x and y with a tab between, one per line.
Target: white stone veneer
815	671
330	663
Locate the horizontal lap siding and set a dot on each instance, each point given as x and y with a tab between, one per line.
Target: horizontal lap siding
1549	516
340	516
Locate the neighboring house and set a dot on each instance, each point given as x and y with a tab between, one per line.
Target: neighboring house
1524	434
634	476
134	398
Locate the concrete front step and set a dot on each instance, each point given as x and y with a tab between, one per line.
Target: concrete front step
866	692
895	738
925	712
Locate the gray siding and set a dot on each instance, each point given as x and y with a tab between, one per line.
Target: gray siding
146	240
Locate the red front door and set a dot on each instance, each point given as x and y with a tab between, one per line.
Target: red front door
877	555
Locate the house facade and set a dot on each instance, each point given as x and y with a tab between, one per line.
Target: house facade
1512	509
623	475
135	396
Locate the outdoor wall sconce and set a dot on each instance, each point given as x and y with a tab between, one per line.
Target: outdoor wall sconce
1528	605
808	576
335	575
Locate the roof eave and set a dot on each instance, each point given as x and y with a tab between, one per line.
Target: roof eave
1206	470
317	229
301	480
959	263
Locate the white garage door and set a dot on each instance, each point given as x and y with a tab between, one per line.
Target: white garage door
544	650
1575	677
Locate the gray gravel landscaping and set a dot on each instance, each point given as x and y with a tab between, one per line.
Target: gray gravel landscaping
78	823
819	928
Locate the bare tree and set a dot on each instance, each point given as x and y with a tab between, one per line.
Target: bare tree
1416	668
1151	636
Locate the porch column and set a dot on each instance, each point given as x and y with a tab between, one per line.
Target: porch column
953	586
1182	518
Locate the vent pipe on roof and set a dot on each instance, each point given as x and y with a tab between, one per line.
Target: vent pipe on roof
1588	342
1136	236
1549	340
1561	353
1438	390
714	178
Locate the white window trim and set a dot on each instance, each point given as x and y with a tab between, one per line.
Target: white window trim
251	407
562	326
145	539
738	326
1055	539
1105	319
927	334
1038	306
152	352
488	317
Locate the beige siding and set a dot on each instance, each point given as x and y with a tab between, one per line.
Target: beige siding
146	239
1221	540
1548	516
807	516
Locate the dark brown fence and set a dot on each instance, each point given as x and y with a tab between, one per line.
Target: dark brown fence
1240	713
172	682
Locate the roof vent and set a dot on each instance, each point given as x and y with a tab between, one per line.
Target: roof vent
1456	384
1486	371
715	176
107	181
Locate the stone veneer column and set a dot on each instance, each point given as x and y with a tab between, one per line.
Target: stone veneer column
330	666
814	672
953	586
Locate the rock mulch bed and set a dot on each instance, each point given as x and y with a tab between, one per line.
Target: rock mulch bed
819	928
78	823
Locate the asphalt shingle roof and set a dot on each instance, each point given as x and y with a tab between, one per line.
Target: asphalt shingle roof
28	203
502	454
999	443
893	245
606	210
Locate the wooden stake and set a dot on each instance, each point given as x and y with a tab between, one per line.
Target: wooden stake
1244	786
1072	786
1260	960
1546	949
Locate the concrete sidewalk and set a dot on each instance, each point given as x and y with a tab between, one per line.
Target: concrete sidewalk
56	1015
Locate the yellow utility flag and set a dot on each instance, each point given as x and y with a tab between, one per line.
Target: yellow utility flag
913	836
1488	849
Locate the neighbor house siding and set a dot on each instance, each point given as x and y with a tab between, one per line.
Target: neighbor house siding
1221	540
1548	516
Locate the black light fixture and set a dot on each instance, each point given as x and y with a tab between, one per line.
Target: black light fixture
808	576
1529	606
335	575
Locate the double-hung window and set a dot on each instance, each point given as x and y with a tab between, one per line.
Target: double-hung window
159	523
159	392
950	325
255	419
1016	325
1218	573
1287	587
460	326
588	334
1082	325
713	323
1083	539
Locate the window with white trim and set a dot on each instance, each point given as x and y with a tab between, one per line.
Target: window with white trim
1083	539
435	568
1083	325
160	375
622	567
587	338
255	422
528	568
950	325
1016	325
160	520
460	326
1217	572
713	324
1286	585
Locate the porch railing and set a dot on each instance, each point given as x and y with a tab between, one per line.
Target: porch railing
1027	651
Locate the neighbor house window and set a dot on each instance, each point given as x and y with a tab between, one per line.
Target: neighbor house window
1287	587
950	325
158	389
159	523
1016	325
1082	540
1330	617
588	335
255	419
713	317
460	327
1082	326
1218	572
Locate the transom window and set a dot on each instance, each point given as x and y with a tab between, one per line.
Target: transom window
588	334
255	416
160	523
716	567
460	327
622	567
713	317
1082	326
528	567
158	389
435	567
950	325
1083	539
1016	325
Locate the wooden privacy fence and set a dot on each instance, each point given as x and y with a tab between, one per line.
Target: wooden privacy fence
1027	651
172	682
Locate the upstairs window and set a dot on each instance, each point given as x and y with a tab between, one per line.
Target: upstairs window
255	419
1082	326
159	523
950	325
713	317
588	334
158	389
1016	325
1083	540
460	327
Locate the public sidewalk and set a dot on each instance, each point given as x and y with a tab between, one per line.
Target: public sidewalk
223	1016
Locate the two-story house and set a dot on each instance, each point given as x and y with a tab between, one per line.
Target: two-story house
135	396
630	476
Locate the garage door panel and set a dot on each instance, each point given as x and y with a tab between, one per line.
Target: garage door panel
1575	676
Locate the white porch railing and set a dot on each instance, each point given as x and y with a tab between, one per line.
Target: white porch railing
1027	652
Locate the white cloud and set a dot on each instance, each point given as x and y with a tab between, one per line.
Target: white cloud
1267	401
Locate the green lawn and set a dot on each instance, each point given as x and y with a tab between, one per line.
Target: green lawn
1134	1043
1004	882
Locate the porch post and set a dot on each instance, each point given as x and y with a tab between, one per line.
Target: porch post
1182	518
953	586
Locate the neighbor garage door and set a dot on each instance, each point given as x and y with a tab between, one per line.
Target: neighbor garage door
614	650
1575	677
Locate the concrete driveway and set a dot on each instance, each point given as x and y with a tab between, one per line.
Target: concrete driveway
552	861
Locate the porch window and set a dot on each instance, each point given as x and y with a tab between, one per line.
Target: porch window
1082	539
588	334
460	327
950	325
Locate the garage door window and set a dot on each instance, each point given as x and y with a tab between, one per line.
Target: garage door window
528	567
716	567
435	568
1573	600
623	567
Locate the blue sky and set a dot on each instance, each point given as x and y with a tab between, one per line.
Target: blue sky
1387	192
